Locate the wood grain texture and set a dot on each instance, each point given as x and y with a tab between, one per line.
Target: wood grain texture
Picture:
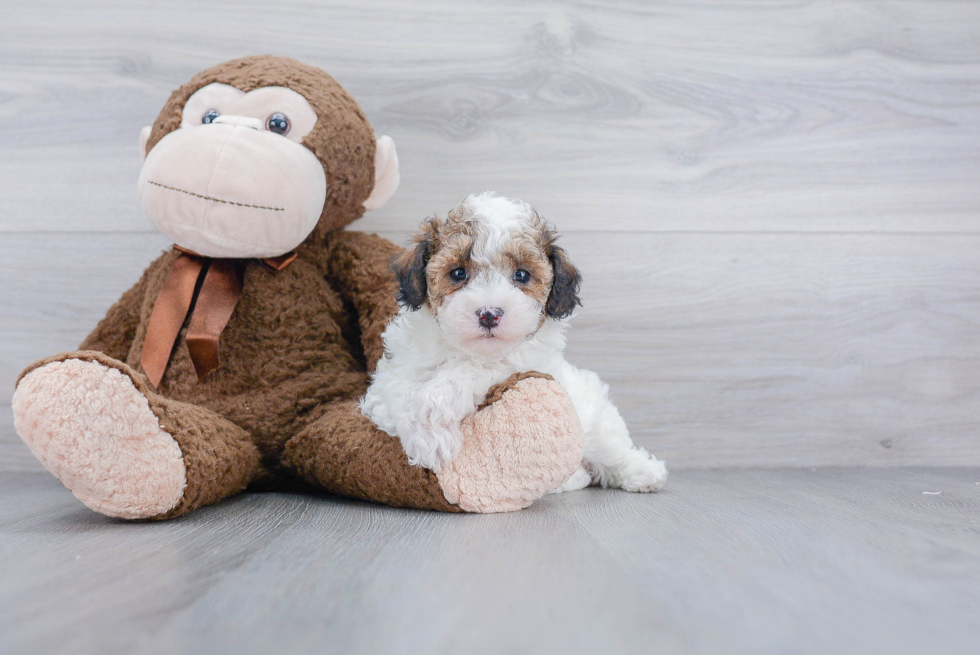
720	350
749	116
775	206
775	203
14	454
826	561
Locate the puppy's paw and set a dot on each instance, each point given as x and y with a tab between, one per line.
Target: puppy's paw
443	404
640	472
430	428
580	479
431	446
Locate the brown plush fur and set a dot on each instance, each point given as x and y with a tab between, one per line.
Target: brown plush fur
301	340
286	350
341	453
300	344
220	457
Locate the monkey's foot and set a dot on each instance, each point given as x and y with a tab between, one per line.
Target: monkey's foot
91	427
525	441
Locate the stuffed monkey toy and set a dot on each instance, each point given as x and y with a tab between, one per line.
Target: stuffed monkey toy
239	355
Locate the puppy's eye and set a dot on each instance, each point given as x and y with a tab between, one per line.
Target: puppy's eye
457	274
209	116
521	276
277	123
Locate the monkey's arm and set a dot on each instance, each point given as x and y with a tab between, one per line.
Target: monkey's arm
524	441
357	265
115	332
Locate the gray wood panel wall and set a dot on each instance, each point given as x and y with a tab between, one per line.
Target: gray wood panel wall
774	204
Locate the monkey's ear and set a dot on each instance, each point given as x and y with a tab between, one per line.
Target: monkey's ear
409	270
386	175
144	137
564	288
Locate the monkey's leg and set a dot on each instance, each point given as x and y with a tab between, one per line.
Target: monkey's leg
122	449
523	442
343	452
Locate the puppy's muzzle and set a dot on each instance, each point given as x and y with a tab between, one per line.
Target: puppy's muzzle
489	317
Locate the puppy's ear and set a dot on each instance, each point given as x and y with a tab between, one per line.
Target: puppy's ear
409	267
564	287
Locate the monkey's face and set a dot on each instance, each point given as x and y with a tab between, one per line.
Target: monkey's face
235	180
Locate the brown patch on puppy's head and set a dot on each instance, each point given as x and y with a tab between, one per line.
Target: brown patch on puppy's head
455	238
528	251
342	138
440	247
478	245
555	281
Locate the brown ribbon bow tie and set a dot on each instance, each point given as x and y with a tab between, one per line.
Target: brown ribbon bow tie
208	289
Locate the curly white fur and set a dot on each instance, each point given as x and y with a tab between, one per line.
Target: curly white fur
439	364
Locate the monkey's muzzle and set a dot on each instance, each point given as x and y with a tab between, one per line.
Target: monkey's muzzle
230	190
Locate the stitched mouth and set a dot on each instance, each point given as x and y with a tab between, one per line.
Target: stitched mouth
209	198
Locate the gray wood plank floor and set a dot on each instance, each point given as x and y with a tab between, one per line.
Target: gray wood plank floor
722	561
775	205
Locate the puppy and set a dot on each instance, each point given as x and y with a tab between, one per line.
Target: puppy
483	295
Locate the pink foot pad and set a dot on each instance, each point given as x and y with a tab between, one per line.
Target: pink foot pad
95	432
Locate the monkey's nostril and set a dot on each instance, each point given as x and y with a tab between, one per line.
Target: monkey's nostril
489	317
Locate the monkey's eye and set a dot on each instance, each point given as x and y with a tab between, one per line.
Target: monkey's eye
521	276
277	123
209	117
457	274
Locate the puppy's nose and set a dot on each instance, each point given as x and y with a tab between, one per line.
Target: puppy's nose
489	316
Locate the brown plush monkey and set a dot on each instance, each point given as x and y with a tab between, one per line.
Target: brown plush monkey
239	355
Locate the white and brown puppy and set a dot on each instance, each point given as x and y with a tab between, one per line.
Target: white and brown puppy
483	293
